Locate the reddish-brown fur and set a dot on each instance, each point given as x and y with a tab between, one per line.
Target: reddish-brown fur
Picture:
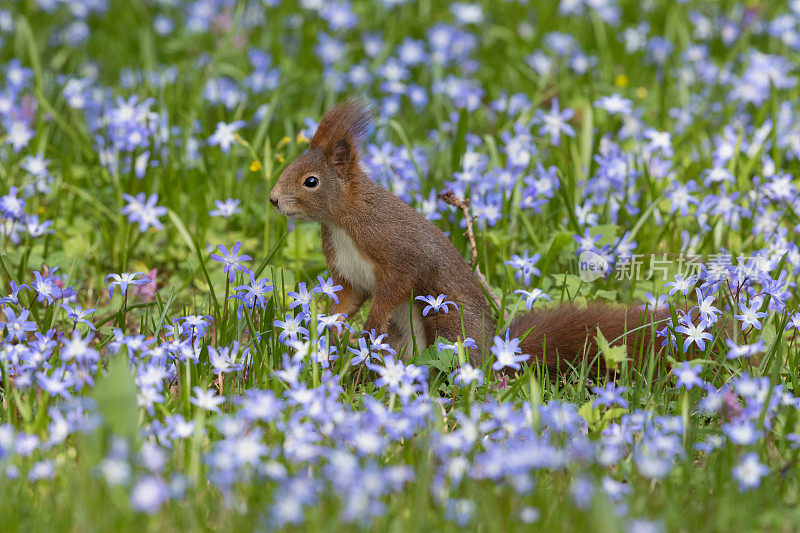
566	333
409	256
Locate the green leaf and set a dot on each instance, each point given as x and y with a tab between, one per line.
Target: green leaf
589	413
607	295
460	143
613	414
570	282
445	360
613	355
608	231
560	241
181	227
115	394
768	333
597	418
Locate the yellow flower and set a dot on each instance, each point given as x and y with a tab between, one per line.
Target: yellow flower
255	166
641	92
301	138
280	158
283	142
621	80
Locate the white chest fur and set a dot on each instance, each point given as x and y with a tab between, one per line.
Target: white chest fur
349	263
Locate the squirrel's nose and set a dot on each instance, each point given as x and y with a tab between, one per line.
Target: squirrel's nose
273	200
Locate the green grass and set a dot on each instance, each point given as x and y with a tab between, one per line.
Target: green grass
92	238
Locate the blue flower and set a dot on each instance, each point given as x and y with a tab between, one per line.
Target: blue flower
749	471
125	279
42	470
144	211
560	416
206	399
131	124
230	260
224	136
300	297
377	343
327	288
469	342
195	325
744	350
78	315
525	266
340	15
56	384
17	326
680	284
76	348
467	374
459	511
227	359
363	353
436	304
529	297
391	375
255	292
35	229
507	353
750	315
226	208
586	241
742	432
554	123
610	395
18	134
655	303
290	371
694	334
11	206
614	104
149	494
13	297
708	312
687	375
45	288
291	326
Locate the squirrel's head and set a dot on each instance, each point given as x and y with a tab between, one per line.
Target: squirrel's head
315	186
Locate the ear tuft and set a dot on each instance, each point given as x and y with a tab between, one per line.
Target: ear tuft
342	130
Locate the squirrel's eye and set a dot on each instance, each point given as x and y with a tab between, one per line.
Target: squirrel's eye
311	182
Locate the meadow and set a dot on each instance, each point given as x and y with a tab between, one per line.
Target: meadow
166	363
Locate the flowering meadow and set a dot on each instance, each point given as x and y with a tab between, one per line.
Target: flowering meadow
169	357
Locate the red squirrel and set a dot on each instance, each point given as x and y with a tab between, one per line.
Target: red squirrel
378	247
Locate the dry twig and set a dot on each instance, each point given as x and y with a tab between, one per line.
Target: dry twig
450	198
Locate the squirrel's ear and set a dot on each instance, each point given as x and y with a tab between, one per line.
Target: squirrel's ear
341	152
342	130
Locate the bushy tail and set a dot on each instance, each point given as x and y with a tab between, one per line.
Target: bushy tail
564	336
